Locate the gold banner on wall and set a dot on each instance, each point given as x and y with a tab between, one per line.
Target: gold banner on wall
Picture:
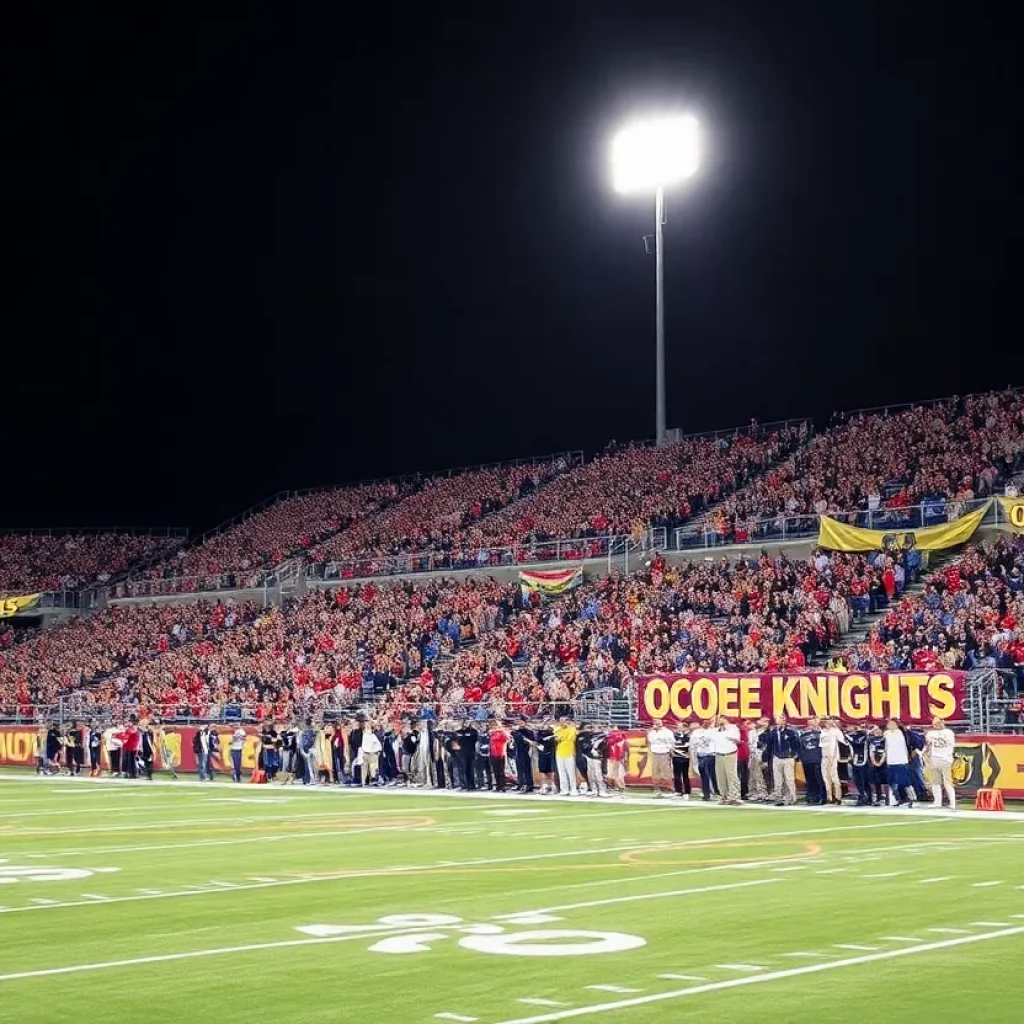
842	537
12	605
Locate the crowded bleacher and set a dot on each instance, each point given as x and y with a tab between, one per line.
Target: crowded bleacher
70	561
475	644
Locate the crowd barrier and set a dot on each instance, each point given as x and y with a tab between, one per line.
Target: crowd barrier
980	761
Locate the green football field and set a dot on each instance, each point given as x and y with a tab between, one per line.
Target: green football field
183	902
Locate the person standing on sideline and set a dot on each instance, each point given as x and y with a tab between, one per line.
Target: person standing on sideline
810	758
831	737
897	759
307	747
482	761
941	743
593	755
130	743
756	788
523	743
725	741
546	757
681	762
782	746
565	756
95	745
861	763
616	748
201	748
467	737
497	740
112	743
370	748
876	758
660	744
147	749
702	750
237	746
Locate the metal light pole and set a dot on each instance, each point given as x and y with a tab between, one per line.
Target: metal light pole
659	273
654	154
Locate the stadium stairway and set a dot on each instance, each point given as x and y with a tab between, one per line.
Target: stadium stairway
860	631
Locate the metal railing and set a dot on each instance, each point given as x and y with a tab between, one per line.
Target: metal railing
790	527
753	429
562	550
92	531
184	586
928	403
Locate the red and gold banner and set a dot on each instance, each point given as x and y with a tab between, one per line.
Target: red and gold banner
913	697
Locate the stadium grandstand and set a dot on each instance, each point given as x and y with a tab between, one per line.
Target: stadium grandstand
403	593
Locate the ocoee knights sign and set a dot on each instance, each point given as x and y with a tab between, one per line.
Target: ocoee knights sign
913	697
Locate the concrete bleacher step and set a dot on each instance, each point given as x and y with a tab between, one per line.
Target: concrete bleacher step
859	631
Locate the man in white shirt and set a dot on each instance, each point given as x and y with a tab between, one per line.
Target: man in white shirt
830	737
702	757
897	762
940	741
660	742
725	741
112	745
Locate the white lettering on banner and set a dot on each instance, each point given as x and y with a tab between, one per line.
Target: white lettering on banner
481	938
11	873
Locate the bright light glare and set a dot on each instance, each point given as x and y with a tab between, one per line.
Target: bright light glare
660	151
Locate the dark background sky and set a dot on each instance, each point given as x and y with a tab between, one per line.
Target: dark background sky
323	244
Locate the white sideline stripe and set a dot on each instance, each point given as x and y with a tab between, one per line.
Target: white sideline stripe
91	897
646	896
541	1002
985	885
832	871
816	956
991	924
741	967
886	874
853	945
455	1016
899	938
942	878
42	902
624	989
949	931
384	872
195	954
757	979
682	977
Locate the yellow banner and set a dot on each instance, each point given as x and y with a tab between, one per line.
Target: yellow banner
841	537
12	605
1013	512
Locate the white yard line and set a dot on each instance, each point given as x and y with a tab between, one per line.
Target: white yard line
758	979
644	896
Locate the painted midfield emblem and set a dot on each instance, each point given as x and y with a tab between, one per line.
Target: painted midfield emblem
417	933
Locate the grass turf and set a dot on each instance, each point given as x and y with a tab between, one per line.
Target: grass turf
115	898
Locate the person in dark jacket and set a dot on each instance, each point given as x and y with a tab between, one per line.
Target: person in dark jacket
858	740
810	758
524	741
781	747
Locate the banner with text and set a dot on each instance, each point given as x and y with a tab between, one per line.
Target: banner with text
913	697
12	605
1013	512
837	536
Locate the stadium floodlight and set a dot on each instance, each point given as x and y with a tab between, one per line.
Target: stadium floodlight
654	154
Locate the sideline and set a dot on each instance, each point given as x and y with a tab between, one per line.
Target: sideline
358	792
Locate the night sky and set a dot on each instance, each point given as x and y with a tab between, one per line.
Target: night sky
327	244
